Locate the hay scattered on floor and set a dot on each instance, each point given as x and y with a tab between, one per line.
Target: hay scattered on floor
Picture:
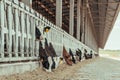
63	72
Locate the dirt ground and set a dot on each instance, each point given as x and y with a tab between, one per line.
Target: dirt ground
63	72
93	69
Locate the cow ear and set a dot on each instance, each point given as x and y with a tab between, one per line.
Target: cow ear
46	29
61	58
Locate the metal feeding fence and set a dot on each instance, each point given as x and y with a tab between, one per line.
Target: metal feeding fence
17	33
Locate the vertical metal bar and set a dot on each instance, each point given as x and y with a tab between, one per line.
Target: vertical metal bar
2	28
78	19
59	13
31	30
27	33
33	36
9	12
16	31
71	19
22	33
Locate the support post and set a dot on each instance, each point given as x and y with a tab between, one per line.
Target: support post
83	21
59	13
78	19
71	18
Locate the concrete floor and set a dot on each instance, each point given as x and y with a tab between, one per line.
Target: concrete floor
94	69
101	69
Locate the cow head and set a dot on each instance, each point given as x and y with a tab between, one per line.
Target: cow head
46	29
58	60
61	60
39	32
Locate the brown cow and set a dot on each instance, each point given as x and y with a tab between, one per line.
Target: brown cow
67	57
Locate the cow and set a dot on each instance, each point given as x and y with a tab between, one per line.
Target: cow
49	62
38	34
67	57
52	49
72	56
47	53
79	54
91	54
86	55
57	61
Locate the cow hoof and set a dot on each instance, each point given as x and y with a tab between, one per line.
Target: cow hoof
48	70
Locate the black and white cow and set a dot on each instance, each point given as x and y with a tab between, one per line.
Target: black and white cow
72	56
38	34
79	54
50	63
91	54
47	54
86	55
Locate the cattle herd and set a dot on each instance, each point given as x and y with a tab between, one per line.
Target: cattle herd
49	59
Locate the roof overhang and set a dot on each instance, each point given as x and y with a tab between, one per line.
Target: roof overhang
104	14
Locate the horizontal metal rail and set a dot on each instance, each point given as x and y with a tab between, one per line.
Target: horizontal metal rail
17	33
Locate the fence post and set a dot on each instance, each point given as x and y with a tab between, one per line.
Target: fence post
9	12
16	32
22	20
33	36
31	40
27	34
2	29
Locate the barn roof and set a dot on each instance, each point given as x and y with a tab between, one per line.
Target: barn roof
103	15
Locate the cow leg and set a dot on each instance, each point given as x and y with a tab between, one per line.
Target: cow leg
57	60
50	63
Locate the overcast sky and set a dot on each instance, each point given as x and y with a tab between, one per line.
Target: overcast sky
113	41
